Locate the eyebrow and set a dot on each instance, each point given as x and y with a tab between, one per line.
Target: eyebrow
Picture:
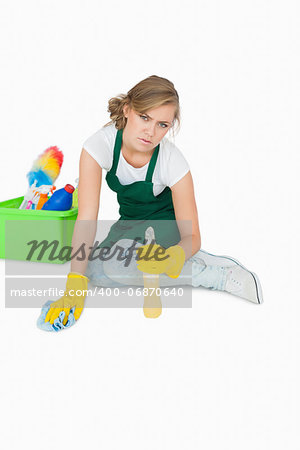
160	121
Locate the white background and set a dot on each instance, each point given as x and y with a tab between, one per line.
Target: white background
225	373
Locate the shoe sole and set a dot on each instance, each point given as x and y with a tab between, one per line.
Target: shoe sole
259	294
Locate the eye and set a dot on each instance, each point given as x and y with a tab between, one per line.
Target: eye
145	117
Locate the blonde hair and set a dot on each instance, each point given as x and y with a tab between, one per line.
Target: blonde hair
149	93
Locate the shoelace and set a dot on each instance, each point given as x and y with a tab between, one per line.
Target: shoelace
235	281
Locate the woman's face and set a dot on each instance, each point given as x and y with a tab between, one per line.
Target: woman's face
143	132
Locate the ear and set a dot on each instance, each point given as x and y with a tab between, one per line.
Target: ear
125	110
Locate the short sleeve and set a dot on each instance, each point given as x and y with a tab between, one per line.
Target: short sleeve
99	148
178	166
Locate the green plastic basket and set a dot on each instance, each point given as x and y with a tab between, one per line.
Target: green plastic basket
35	235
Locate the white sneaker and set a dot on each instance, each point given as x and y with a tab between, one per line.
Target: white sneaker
239	280
243	283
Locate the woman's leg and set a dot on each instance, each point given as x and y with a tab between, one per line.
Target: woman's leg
202	269
96	275
122	268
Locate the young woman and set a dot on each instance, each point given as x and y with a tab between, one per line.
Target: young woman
154	185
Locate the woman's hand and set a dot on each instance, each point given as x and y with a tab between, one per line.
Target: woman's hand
74	296
169	261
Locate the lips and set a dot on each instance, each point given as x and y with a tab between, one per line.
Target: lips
145	140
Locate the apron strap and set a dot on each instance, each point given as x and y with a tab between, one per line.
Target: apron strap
117	149
152	164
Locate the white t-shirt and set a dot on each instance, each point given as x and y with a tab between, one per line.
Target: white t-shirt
170	166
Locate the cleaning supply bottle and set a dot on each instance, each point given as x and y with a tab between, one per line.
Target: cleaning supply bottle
61	200
28	196
75	195
43	199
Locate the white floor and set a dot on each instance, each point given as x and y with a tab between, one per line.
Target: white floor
224	372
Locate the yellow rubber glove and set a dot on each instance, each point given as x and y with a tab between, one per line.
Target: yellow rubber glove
75	293
171	266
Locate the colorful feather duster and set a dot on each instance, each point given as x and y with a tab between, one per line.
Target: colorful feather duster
46	167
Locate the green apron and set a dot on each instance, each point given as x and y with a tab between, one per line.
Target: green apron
140	208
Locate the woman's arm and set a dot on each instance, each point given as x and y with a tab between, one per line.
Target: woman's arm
186	215
89	186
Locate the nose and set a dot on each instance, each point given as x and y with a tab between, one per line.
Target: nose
150	130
